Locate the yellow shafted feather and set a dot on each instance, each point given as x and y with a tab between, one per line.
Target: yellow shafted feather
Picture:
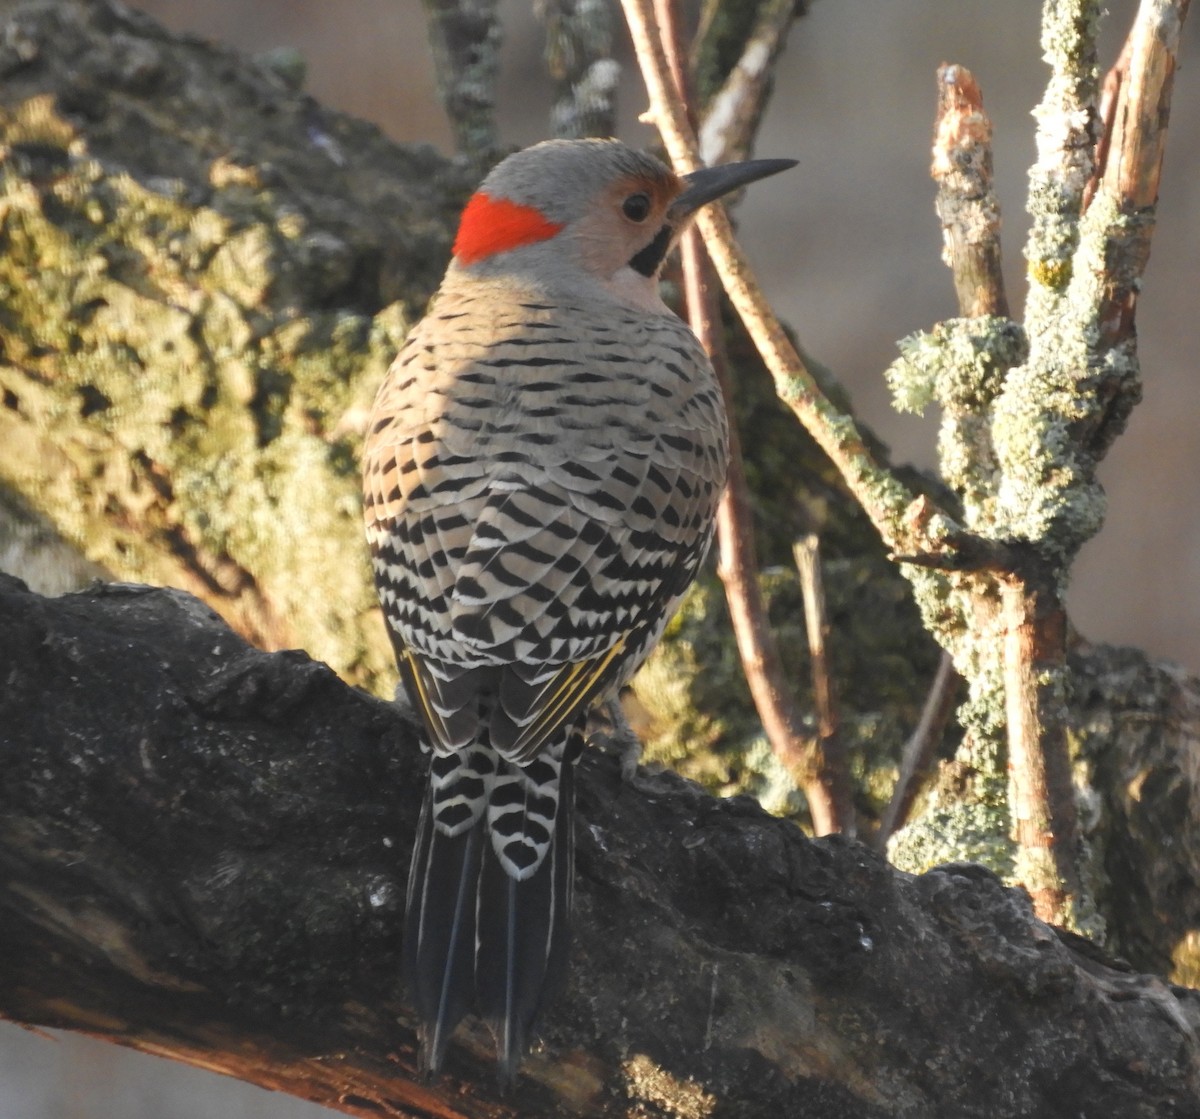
541	476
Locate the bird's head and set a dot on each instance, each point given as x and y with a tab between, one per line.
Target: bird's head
573	212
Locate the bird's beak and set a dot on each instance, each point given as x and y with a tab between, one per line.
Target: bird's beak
709	183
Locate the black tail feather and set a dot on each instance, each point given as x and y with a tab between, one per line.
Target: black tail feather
523	937
478	938
439	936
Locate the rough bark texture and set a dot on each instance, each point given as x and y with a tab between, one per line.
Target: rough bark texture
203	275
203	851
1136	730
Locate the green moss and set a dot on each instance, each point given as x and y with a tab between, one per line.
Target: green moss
188	362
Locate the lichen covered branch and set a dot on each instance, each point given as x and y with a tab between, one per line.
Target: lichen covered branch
203	853
579	56
1028	413
733	112
465	37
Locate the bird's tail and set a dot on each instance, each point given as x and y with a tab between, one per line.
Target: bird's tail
489	895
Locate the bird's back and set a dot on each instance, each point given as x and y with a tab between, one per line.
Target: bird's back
541	476
540	479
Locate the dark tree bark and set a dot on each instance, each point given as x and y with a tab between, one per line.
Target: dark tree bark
204	850
204	275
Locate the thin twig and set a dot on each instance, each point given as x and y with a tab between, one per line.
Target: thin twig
666	15
918	754
904	526
834	773
807	555
737	564
825	786
1133	166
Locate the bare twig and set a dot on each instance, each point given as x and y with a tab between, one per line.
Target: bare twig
807	555
905	526
834	772
737	564
1134	154
919	750
824	786
1109	95
735	110
666	15
1043	797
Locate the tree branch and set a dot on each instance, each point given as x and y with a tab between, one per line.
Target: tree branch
1133	155
810	761
579	56
832	769
1045	824
204	847
734	111
919	750
465	37
966	201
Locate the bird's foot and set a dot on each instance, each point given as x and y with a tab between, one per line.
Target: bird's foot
609	729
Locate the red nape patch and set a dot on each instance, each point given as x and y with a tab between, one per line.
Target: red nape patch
495	225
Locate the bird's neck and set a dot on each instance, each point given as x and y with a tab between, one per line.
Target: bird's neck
524	273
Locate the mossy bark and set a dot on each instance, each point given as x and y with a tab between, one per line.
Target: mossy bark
203	276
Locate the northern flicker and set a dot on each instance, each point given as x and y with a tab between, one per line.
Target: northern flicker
541	475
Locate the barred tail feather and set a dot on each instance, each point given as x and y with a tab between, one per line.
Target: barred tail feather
439	936
489	895
524	934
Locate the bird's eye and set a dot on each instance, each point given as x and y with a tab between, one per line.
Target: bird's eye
636	207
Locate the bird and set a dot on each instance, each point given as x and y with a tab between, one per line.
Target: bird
541	474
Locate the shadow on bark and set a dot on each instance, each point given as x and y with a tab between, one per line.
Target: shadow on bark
204	851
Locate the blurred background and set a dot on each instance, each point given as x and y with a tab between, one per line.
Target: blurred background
848	247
